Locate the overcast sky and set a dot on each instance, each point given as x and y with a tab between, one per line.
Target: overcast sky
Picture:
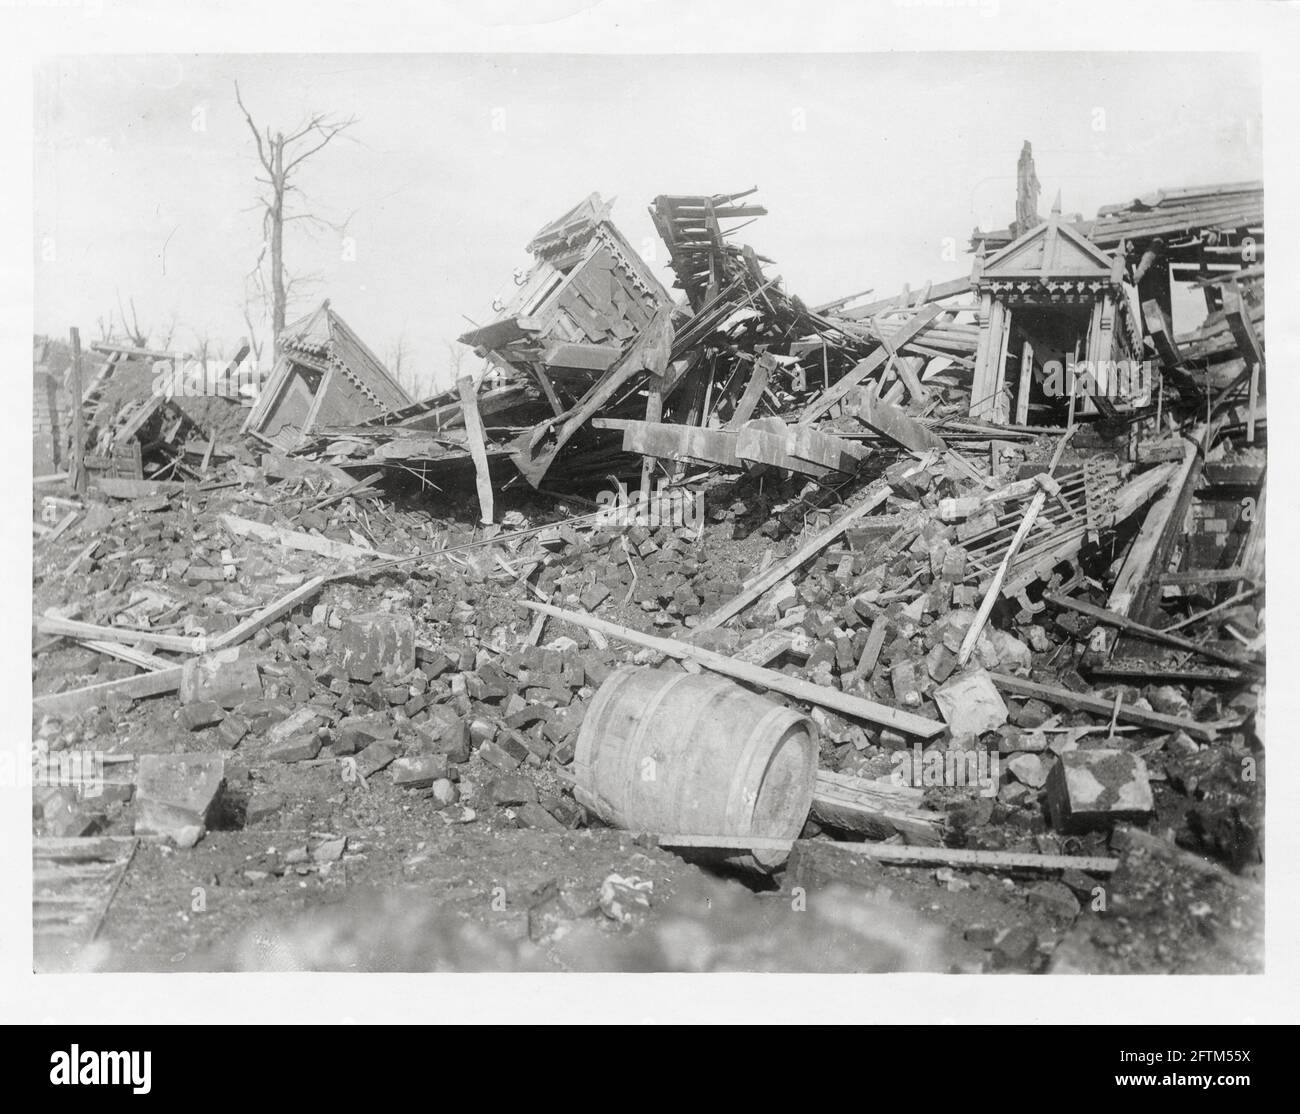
871	166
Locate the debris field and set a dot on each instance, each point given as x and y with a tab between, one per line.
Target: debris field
703	630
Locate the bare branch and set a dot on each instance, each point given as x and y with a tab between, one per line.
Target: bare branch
329	133
261	151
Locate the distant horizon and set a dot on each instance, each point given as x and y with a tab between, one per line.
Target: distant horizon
457	160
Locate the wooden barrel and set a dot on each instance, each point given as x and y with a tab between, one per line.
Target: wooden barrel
674	753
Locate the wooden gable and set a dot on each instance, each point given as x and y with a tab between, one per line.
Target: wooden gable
1052	250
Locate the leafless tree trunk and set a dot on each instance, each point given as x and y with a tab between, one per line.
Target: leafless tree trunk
396	360
137	336
280	156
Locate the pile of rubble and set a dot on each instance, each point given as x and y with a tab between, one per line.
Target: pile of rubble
1018	622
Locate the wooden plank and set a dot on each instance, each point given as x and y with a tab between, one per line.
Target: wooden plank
477	448
1205	576
90	632
1242	327
1151	634
871	651
911	856
995	587
825	449
298	539
544	381
139	416
1026	382
878	809
863	368
1161	334
1163	522
753	392
82	554
768	441
1252	404
269	614
767	648
891	422
674	441
930	293
134	688
853	706
582	357
779	571
654	412
1231	601
130	654
908	368
1079	702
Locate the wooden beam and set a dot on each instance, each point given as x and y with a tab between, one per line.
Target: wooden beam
1026	382
931	292
299	539
767	648
753	392
909	371
986	380
1237	315
910	856
1163	522
1253	403
853	706
770	441
1204	576
548	388
1079	702
825	449
878	809
673	441
1161	334
995	587
1151	634
893	423
871	651
133	688
779	571
269	614
873	362
90	632
130	654
1218	608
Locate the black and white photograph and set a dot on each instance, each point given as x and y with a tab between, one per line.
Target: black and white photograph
651	502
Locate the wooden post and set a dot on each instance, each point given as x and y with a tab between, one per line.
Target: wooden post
1026	379
654	412
477	448
1254	403
1069	378
77	470
858	707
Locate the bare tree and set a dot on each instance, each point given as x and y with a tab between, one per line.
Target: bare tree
455	357
254	343
395	358
280	156
137	336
